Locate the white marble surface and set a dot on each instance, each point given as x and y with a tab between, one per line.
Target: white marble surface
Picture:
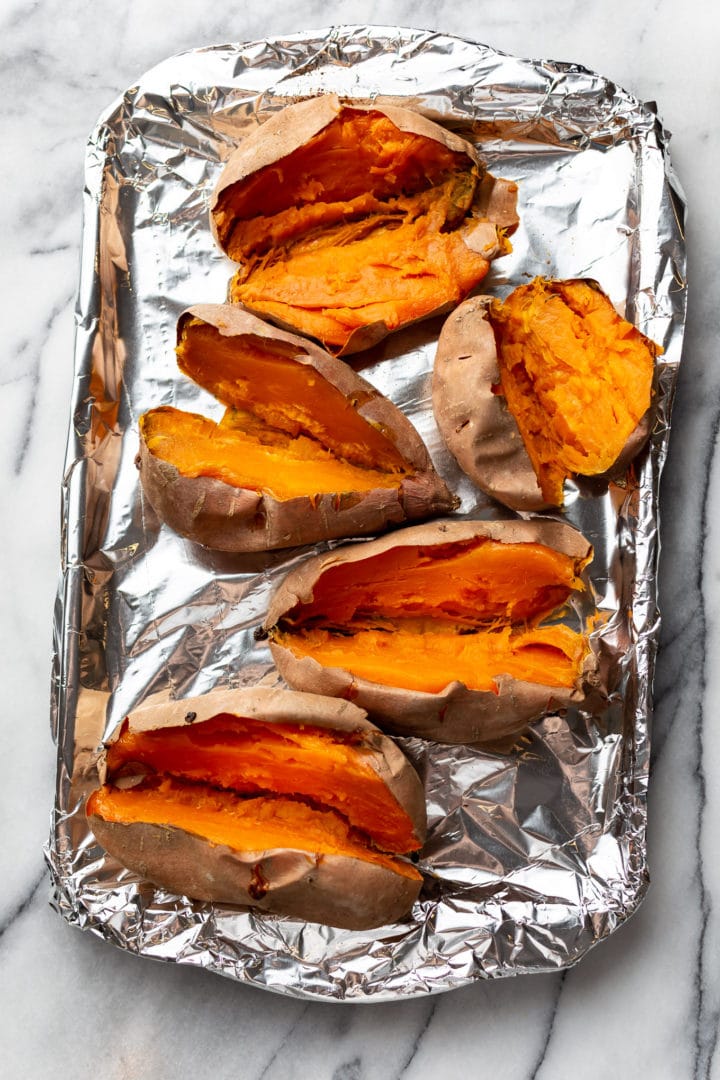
646	1003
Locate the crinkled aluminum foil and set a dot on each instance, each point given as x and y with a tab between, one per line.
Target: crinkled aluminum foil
536	851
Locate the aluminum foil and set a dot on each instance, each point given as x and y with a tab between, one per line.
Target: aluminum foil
536	851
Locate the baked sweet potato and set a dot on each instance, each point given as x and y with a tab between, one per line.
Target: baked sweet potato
442	630
290	803
306	451
350	221
548	385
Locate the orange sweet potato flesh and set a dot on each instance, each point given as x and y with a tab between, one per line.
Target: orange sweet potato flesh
360	226
286	430
577	378
423	618
246	756
274	463
262	379
358	163
253	824
478	582
418	656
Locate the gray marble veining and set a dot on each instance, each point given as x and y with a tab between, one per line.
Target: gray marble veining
646	1003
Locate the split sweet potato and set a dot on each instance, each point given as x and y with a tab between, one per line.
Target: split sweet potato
547	385
290	803
450	631
307	450
351	221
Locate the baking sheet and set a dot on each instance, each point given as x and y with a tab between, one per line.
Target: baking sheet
535	851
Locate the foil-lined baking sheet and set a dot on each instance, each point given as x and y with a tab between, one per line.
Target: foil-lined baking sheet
536	851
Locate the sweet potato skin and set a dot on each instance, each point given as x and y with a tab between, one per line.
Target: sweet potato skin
218	515
494	214
478	428
330	889
457	714
338	890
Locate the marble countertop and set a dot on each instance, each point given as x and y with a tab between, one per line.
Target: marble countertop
645	1003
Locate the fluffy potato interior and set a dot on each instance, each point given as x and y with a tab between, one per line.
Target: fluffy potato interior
330	768
358	164
252	825
272	462
331	286
576	376
416	656
286	431
362	224
421	618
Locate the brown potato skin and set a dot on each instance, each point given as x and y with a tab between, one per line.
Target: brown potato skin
476	424
287	130
478	428
330	889
457	714
226	518
337	890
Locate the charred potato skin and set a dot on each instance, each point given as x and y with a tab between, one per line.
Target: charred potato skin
334	889
494	208
218	515
457	714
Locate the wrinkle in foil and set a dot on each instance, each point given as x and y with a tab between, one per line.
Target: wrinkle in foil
535	851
